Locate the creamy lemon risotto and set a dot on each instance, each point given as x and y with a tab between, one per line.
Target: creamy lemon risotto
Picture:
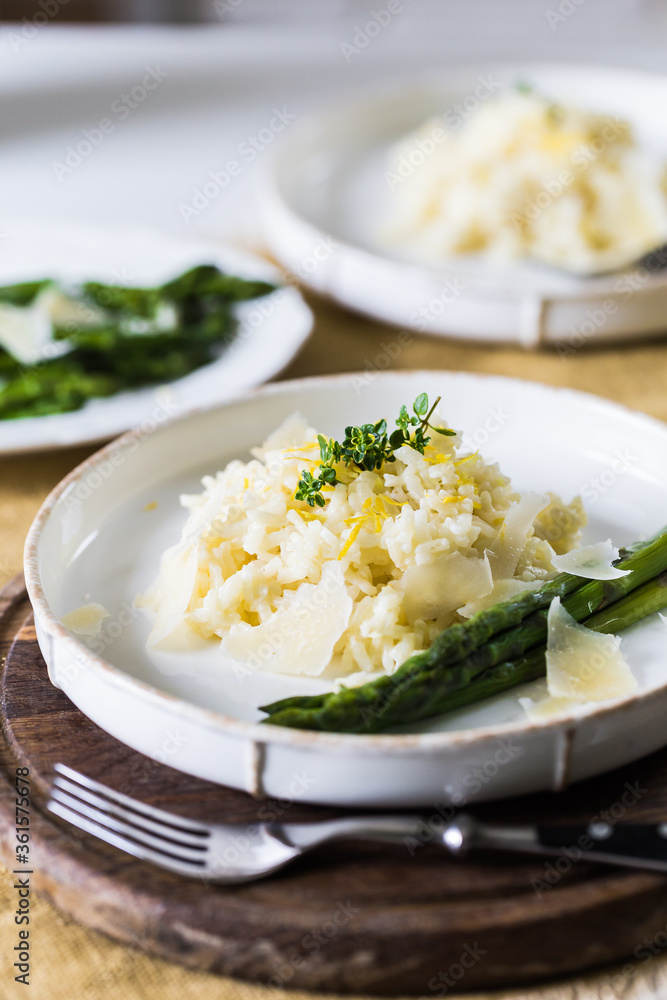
356	586
524	177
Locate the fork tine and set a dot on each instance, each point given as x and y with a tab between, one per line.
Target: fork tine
128	846
101	820
166	831
151	812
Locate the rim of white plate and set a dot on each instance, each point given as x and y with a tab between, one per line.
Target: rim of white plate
260	732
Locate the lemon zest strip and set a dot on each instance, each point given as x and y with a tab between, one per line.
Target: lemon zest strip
466	458
351	538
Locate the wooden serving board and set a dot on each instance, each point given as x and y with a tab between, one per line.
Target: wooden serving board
353	917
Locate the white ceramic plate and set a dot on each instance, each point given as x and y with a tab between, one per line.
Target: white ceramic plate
325	197
95	539
271	330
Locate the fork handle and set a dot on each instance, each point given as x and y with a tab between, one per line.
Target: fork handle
383	828
631	845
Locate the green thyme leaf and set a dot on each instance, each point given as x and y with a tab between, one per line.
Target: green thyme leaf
368	448
421	405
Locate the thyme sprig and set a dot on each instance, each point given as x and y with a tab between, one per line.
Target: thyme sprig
368	447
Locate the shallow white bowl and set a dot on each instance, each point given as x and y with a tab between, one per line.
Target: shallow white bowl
271	330
94	539
325	198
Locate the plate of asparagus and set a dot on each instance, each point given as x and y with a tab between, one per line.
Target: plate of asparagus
103	330
468	719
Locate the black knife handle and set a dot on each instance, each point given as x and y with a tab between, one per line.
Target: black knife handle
644	845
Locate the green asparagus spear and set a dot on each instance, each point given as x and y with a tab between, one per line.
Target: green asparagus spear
405	696
55	388
593	596
125	343
206	280
458	641
644	601
24	293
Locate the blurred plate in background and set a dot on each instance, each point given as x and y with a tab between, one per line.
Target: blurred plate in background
271	330
325	195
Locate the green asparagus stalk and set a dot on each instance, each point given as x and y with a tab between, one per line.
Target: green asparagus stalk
405	696
593	596
126	342
644	601
24	293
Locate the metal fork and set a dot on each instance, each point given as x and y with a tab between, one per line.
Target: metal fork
235	853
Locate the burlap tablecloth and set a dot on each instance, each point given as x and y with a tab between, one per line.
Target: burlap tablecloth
73	963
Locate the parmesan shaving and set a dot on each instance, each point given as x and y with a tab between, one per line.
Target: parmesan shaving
437	588
514	533
583	665
300	637
27	332
86	620
592	562
172	592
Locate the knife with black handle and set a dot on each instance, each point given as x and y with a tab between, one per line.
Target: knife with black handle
634	845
